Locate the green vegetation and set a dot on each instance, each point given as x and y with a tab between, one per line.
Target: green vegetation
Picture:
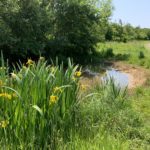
37	104
68	28
140	103
125	32
135	52
41	107
44	105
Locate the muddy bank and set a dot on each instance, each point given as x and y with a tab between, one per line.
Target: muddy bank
136	75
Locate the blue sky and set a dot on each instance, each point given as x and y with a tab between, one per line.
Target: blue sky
135	12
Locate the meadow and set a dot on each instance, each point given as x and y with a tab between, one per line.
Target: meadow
46	107
133	52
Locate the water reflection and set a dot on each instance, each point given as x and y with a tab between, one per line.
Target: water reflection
120	79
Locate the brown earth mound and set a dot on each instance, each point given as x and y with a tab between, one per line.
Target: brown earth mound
137	75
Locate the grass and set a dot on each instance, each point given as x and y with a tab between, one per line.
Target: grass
141	104
41	108
135	52
37	104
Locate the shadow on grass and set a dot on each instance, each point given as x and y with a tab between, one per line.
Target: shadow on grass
103	58
100	60
108	54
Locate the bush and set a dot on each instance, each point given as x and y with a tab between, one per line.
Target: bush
71	28
108	53
141	55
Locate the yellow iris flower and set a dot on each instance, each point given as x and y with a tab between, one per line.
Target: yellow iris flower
6	95
78	73
3	124
30	62
53	99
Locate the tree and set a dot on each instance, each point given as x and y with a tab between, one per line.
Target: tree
79	26
140	33
67	27
148	34
25	26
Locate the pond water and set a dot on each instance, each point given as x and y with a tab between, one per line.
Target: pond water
105	73
120	79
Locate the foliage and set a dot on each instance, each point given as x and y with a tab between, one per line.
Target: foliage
38	102
129	52
108	53
76	28
140	102
25	25
70	28
141	55
41	106
126	32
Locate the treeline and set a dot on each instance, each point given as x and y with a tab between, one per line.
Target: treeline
52	27
63	28
126	32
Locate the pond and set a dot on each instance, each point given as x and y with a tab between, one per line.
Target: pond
120	79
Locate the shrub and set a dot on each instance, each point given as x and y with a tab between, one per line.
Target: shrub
141	55
108	53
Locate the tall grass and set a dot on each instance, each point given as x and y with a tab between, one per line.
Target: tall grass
41	108
37	103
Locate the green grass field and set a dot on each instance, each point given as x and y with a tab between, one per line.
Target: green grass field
135	52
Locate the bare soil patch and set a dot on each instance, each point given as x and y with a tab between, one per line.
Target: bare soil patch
137	75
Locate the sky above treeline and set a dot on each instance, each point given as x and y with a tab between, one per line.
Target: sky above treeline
135	12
